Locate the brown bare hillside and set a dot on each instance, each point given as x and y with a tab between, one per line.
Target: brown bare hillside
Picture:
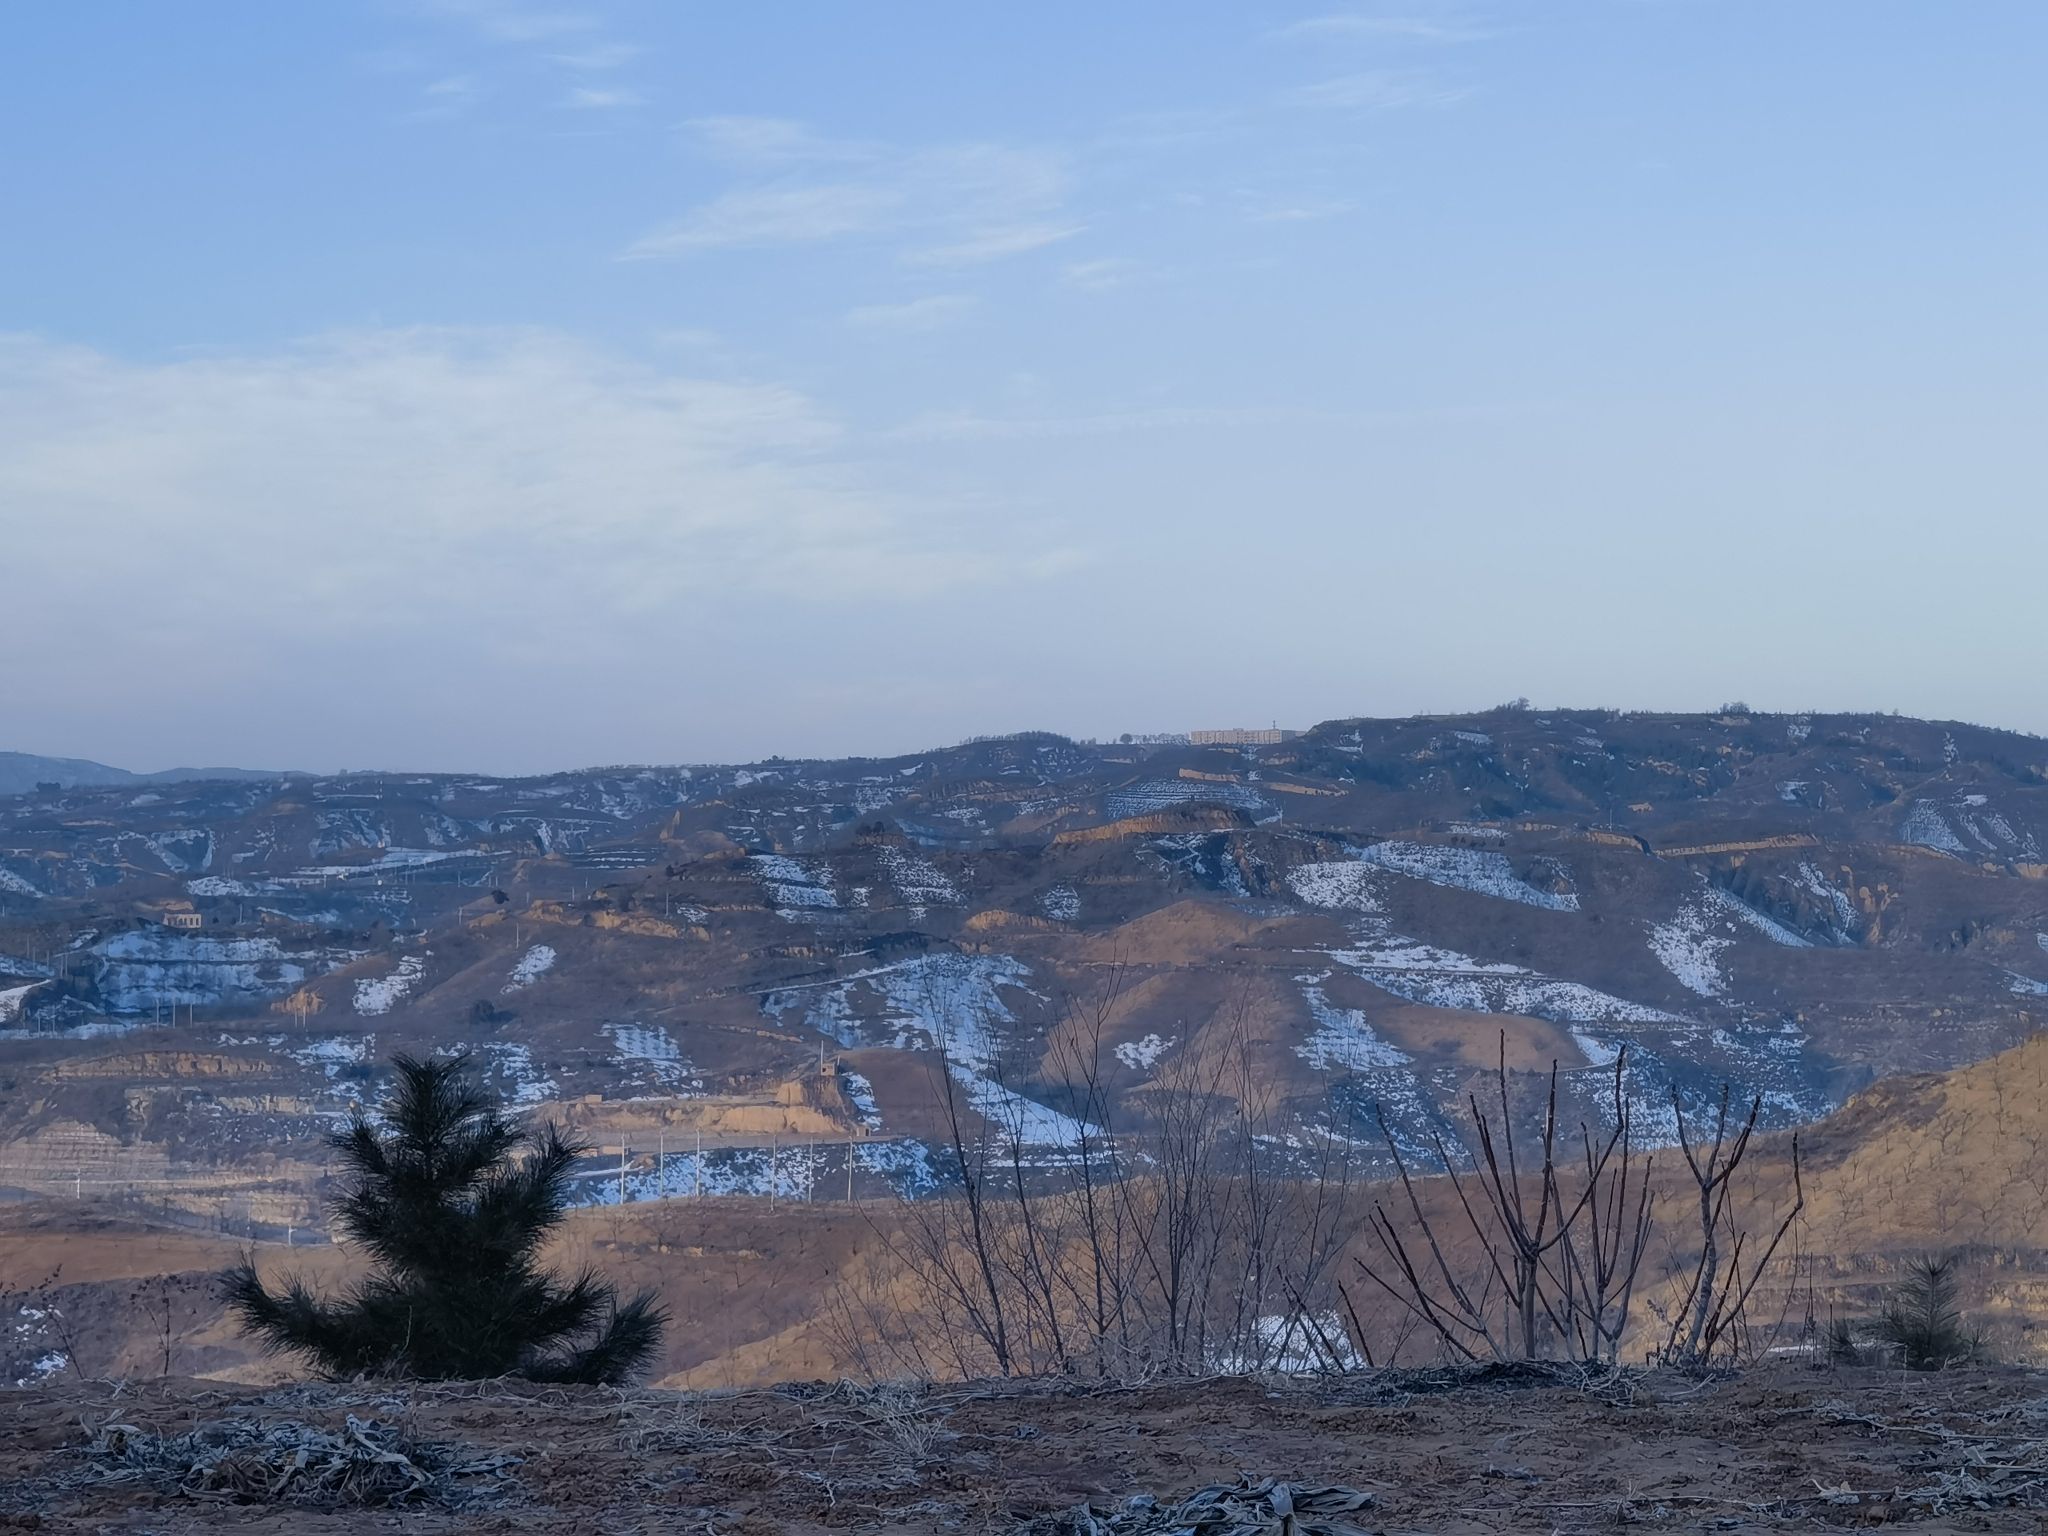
769	1292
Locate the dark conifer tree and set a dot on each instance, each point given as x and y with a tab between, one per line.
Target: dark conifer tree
1922	1321
454	1216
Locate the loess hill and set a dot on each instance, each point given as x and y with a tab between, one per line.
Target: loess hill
733	979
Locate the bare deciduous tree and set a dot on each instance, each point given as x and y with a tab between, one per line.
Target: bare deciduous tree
1556	1269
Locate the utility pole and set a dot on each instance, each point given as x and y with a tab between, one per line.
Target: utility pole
622	1170
661	1165
700	1162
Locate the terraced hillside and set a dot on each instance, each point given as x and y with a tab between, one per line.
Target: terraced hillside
787	976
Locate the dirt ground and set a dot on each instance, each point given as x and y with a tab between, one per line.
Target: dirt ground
1791	1449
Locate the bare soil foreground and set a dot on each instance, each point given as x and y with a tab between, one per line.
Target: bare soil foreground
1534	1449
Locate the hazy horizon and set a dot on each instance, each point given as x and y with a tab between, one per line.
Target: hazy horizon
442	382
541	768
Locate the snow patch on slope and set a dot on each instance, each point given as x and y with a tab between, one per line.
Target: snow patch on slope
655	1051
796	885
950	1002
1483	870
1688	947
1343	1038
378	995
1340	886
1143	1055
918	881
1442	978
533	965
1924	828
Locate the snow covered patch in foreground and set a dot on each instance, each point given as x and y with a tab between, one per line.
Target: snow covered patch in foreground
1442	978
1291	1344
795	885
1143	1055
1733	906
378	995
533	965
798	1171
1924	828
1817	885
221	885
2026	986
14	885
860	1093
1466	869
1018	1120
955	1000
1062	904
147	967
1161	794
513	1066
1341	886
183	852
11	999
1690	945
48	1365
1343	1038
656	1052
1484	831
918	881
333	1053
950	1002
1690	949
1203	855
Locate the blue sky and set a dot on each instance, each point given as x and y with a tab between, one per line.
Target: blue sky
481	382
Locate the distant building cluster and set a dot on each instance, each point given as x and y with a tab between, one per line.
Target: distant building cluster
1270	736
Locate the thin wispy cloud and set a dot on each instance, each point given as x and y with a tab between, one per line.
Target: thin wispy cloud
506	21
978	426
764	142
600	57
993	244
1414	29
1104	272
1378	90
593	99
772	216
932	312
448	96
555	42
1307	212
947	205
546	471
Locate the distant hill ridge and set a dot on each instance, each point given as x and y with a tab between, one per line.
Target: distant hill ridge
21	772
